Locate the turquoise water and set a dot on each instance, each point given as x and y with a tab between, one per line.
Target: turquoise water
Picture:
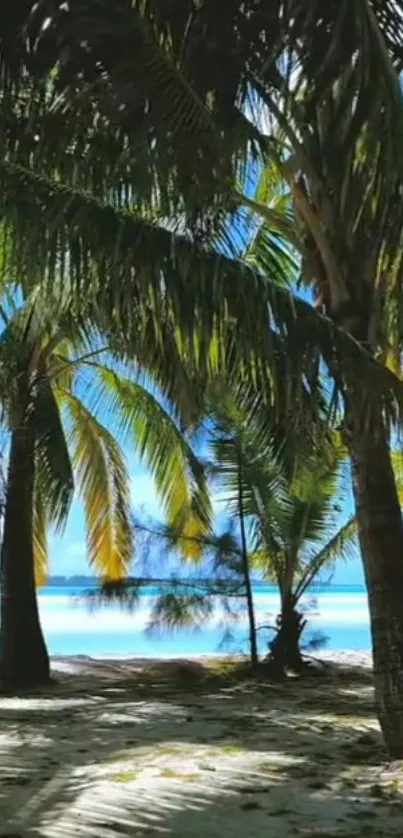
71	628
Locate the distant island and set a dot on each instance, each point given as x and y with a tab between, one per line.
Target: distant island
92	581
71	581
81	581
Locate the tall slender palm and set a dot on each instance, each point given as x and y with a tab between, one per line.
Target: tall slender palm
346	196
231	470
58	396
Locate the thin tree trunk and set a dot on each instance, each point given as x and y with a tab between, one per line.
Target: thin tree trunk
246	570
381	541
24	660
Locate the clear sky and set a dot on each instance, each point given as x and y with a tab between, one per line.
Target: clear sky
68	552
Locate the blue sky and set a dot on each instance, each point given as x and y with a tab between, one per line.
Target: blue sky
68	552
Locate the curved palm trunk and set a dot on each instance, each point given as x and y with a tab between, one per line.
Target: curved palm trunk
381	541
24	660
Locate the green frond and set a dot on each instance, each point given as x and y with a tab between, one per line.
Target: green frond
52	456
179	476
290	511
129	266
341	546
236	459
397	464
40	540
103	482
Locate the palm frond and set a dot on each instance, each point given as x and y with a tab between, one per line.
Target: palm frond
52	455
178	473
104	485
342	545
129	265
259	472
397	464
40	540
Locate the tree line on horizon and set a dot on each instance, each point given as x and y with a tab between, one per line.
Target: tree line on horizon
165	194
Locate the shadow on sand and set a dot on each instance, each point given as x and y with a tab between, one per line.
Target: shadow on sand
148	753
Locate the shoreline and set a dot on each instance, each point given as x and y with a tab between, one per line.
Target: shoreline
79	664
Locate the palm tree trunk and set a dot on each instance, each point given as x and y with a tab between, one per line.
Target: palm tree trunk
246	571
285	652
24	660
381	541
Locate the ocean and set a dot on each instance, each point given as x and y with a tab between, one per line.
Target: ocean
338	614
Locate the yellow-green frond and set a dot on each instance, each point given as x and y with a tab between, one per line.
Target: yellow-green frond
397	462
103	482
178	474
40	531
341	545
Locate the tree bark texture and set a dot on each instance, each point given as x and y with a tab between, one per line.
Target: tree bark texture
381	542
285	651
24	661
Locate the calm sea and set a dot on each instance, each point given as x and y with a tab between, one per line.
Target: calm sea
339	614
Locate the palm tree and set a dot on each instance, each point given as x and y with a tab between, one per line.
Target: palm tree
313	90
296	534
232	475
284	491
60	390
336	162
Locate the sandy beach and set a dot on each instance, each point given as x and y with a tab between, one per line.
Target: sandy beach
147	748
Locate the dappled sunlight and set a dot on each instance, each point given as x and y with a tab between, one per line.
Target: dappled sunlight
142	756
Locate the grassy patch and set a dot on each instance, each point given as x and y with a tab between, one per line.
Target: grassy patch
170	750
231	748
394	788
224	667
125	776
299	770
390	793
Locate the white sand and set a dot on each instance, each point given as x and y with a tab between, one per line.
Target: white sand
126	748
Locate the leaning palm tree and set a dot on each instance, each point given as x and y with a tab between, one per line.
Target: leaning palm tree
343	175
137	122
61	394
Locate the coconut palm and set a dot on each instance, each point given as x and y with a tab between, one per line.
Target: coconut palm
349	237
154	111
296	535
61	392
284	491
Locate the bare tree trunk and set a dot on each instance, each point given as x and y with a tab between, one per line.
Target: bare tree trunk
381	541
246	571
24	660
